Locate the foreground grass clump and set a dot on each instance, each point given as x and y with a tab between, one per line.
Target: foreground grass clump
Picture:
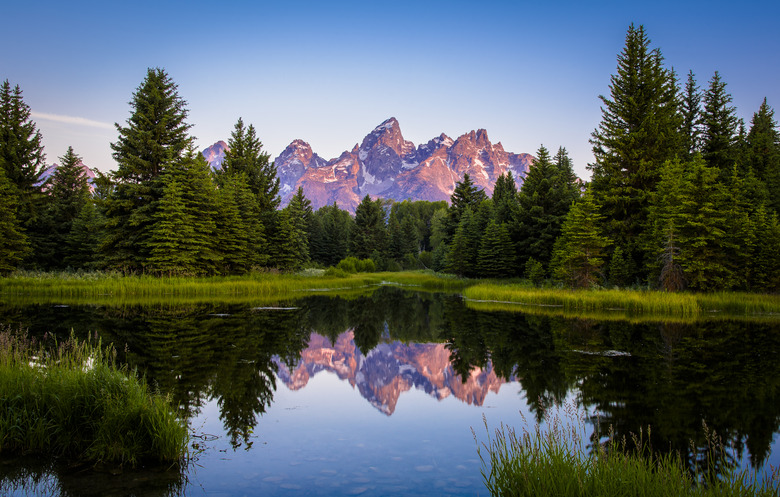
630	301
556	462
72	400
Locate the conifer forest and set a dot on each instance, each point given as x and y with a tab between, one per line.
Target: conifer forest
683	195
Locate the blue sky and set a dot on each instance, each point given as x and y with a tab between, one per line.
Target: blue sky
329	72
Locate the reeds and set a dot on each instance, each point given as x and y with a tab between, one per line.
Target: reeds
253	286
555	461
680	305
71	400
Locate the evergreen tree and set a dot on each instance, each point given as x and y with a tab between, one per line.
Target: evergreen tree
505	199
155	138
465	194
534	271
69	193
84	238
690	108
638	132
463	251
720	126
21	152
370	231
702	234
173	247
666	221
300	214
329	238
578	256
13	242
544	199
762	154
496	256
245	155
764	265
231	231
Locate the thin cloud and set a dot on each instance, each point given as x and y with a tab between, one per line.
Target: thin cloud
78	121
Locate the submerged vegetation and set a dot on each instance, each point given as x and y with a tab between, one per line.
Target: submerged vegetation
557	461
71	400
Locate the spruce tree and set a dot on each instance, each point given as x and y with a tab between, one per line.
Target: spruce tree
466	194
370	231
578	255
300	214
69	192
496	256
21	152
155	138
84	238
544	199
13	242
720	126
638	132
463	251
690	110
762	154
245	155
172	239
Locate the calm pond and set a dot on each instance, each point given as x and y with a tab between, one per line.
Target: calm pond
377	394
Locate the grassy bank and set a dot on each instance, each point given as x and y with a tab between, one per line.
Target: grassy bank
258	286
628	302
71	400
556	462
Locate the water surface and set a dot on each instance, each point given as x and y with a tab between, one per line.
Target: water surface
378	394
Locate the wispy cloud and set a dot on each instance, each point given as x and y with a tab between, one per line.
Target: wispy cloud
78	121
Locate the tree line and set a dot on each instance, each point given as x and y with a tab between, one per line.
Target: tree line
682	195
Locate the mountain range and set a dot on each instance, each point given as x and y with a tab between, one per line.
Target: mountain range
389	370
386	165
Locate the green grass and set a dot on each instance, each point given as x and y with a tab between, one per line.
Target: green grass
624	302
71	400
556	462
257	287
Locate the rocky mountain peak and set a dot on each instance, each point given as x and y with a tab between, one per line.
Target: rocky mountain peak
215	154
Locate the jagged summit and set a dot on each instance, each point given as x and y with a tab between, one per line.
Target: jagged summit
384	164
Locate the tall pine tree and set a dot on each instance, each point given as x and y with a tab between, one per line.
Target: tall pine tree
639	131
720	126
156	136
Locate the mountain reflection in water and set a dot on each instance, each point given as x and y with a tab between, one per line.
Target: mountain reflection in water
389	370
250	368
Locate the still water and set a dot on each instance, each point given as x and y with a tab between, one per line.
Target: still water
377	394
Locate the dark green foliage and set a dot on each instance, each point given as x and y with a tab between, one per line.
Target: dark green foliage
330	234
465	195
69	194
13	242
619	269
505	199
462	255
369	232
578	256
534	271
300	212
638	132
764	265
496	256
21	152
240	233
720	125
544	199
84	238
172	251
762	153
155	138
690	108
245	155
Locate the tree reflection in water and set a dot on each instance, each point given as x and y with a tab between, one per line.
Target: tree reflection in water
669	376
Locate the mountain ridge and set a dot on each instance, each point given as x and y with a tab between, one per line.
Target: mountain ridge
384	164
